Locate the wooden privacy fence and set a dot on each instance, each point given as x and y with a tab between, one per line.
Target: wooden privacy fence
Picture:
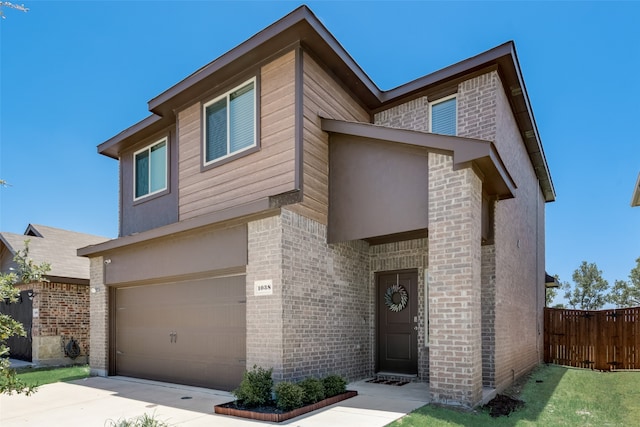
604	339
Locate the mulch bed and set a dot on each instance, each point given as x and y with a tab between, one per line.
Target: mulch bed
273	414
503	405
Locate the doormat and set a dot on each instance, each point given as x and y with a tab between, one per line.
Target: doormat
387	381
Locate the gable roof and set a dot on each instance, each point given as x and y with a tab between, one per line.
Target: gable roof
55	246
303	27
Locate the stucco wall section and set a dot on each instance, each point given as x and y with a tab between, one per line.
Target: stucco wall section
408	254
98	319
455	359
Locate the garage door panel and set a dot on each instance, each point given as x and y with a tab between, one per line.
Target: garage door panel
191	332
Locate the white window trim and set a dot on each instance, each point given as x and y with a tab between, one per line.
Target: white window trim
204	123
438	101
166	163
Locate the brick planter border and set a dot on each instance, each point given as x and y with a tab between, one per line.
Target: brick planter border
277	418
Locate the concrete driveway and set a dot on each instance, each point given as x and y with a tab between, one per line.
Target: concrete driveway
96	400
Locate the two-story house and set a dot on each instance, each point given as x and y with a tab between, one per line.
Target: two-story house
278	209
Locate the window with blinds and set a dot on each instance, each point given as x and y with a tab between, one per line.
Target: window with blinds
150	169
444	116
230	123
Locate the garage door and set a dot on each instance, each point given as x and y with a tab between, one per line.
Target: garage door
190	332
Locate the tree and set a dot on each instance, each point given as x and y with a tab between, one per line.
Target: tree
10	5
627	294
590	291
27	272
551	293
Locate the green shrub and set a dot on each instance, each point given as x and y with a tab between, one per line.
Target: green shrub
255	388
313	390
334	385
289	396
141	421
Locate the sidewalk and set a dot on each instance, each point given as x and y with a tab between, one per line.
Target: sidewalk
96	400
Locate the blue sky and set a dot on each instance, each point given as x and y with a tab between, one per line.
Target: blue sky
73	74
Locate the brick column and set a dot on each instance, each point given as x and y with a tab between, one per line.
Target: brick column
265	312
98	319
455	345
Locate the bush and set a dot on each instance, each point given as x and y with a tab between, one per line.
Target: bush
141	421
255	388
289	396
334	385
313	390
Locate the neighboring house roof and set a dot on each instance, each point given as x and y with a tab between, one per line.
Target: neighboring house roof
635	199
56	246
302	25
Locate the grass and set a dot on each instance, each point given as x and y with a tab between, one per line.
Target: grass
553	396
42	376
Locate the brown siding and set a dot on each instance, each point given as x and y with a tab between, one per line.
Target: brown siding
321	95
156	210
270	171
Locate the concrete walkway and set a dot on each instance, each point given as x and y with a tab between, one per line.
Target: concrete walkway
96	400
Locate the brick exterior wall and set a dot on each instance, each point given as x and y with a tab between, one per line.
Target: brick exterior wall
99	319
63	313
488	297
455	208
520	256
319	319
410	115
327	302
512	309
265	312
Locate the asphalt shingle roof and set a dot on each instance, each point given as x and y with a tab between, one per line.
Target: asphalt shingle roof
55	246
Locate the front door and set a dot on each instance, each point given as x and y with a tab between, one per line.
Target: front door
397	295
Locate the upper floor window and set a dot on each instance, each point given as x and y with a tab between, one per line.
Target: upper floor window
444	116
230	123
150	169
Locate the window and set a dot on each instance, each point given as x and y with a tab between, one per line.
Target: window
444	116
230	123
150	169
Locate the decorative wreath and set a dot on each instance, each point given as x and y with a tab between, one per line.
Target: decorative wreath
396	298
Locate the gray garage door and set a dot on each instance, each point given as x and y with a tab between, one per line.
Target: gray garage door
190	332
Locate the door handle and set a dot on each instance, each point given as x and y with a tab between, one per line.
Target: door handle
415	328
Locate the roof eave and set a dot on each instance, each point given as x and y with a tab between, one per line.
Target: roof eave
146	127
635	199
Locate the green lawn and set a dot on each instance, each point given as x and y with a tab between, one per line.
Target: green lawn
41	376
553	396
